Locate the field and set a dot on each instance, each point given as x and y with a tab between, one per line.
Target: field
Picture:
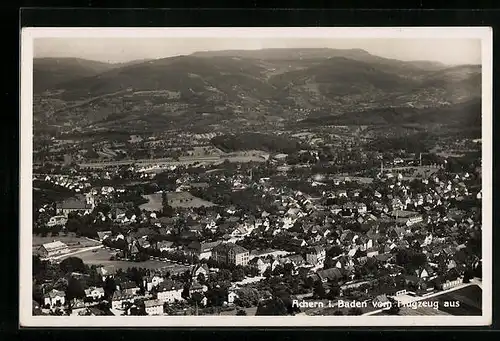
155	202
101	257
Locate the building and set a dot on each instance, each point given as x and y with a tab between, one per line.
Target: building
106	271
58	220
94	293
169	291
53	249
119	298
74	205
230	253
104	234
201	249
316	255
129	288
153	307
152	281
54	298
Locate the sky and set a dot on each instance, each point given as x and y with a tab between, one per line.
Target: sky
451	51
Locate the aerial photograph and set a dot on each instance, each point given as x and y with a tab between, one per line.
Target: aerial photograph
256	177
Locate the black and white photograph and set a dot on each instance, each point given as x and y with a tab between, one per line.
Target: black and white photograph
256	176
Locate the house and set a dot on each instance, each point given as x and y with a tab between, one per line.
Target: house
381	301
169	291
103	235
165	245
152	281
153	307
362	208
297	243
201	249
58	220
259	264
231	297
53	249
200	269
119	298
94	293
106	271
332	274
54	298
230	253
128	287
316	255
71	205
296	260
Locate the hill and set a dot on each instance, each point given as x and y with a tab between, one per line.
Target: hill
245	88
462	114
48	72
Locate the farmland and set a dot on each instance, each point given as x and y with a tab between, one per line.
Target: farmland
102	257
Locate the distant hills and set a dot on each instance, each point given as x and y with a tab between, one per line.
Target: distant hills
248	87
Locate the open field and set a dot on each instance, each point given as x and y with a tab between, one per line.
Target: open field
155	202
101	257
183	161
175	199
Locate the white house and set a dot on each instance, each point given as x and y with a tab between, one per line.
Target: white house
154	307
169	291
94	293
54	298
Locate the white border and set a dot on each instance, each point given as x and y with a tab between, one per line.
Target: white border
25	248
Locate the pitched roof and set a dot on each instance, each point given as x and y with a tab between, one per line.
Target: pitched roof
54	245
152	303
226	247
169	285
330	274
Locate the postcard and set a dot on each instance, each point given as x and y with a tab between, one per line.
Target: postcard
256	177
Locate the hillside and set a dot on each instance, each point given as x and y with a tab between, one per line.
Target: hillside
49	72
462	114
243	88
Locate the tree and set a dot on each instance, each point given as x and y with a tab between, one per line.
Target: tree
109	287
74	290
241	312
72	264
224	275
272	307
185	291
319	290
238	274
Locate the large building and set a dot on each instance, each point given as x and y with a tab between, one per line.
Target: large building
53	249
78	205
230	253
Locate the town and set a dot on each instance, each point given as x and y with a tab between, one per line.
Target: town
219	224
